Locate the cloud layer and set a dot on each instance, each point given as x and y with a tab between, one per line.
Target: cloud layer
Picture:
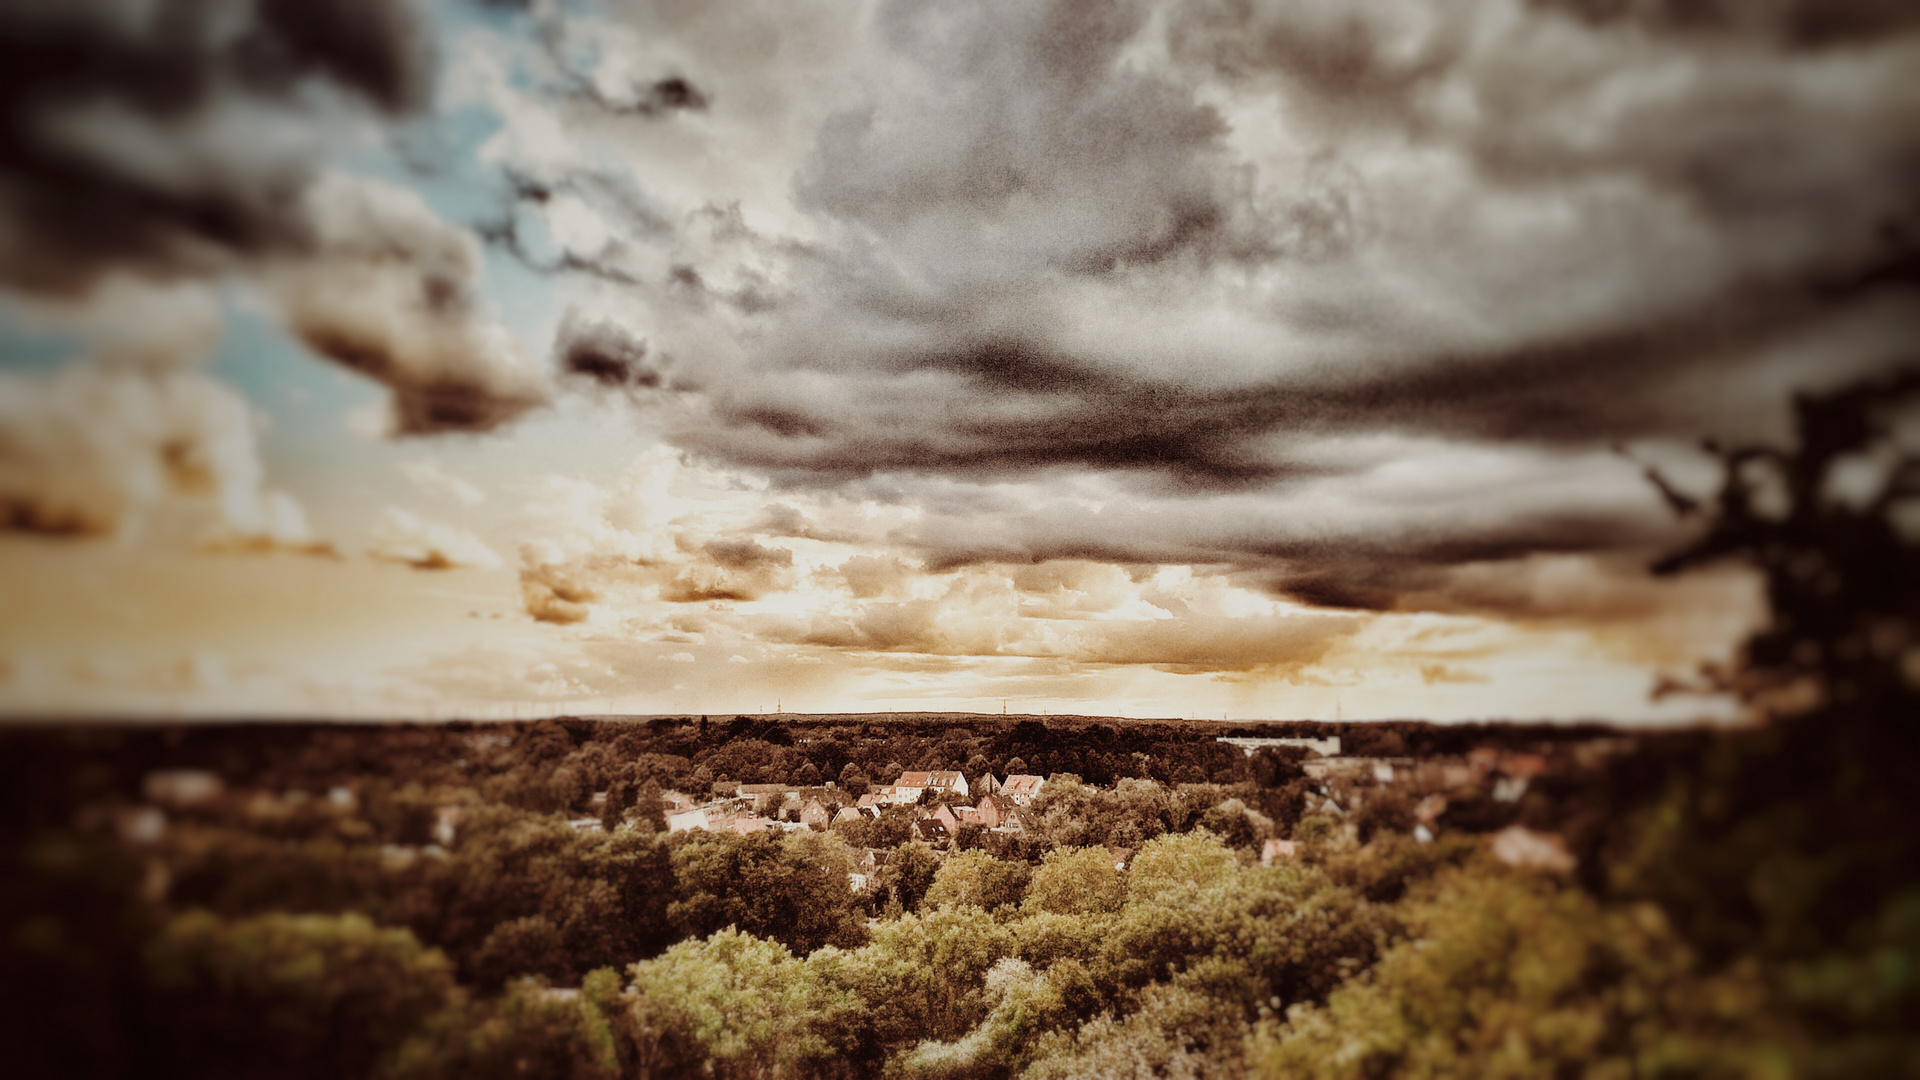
1356	300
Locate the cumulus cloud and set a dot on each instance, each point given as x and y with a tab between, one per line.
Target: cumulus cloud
389	291
404	537
603	352
103	451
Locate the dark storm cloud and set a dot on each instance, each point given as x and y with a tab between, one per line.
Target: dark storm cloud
167	136
1035	121
1011	407
1813	23
187	140
671	94
1778	120
604	352
1210	252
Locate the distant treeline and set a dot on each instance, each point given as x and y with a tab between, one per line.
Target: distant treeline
57	767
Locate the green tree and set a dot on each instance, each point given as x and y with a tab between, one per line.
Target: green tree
1506	976
978	879
854	780
741	1003
792	887
286	995
526	946
922	976
1023	1005
1076	881
531	1030
908	874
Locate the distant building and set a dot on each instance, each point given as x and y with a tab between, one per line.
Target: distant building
1328	747
815	815
1509	788
1277	849
179	788
918	782
1022	788
1014	820
712	817
1521	847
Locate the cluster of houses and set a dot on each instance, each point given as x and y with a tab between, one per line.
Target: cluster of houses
993	804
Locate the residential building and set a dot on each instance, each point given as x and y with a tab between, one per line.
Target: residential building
1022	788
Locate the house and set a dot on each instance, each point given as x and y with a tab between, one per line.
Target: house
674	802
1521	847
1121	856
1022	789
987	785
1277	849
944	782
855	813
177	789
1013	820
713	817
931	829
990	811
745	825
955	816
815	815
1509	788
875	799
446	824
1523	766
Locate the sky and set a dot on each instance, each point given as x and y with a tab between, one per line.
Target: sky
1199	358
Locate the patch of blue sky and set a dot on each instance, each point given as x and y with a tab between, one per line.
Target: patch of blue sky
437	155
26	347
